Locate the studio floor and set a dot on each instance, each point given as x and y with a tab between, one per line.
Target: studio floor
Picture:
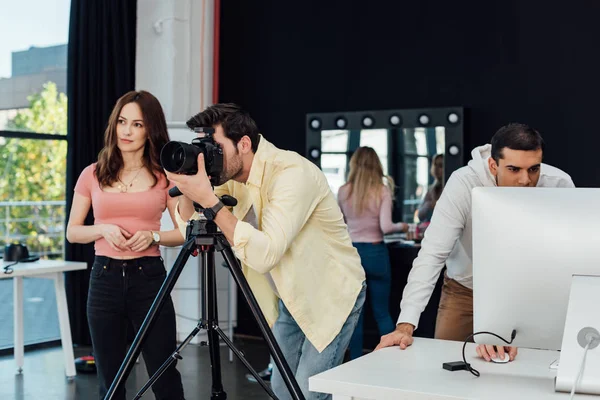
43	376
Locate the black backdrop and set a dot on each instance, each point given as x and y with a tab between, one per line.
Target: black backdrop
505	61
528	61
101	68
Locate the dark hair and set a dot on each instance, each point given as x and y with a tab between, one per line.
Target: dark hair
516	137
110	160
235	121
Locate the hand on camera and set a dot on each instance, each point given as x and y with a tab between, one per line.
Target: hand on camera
402	336
196	187
489	352
115	236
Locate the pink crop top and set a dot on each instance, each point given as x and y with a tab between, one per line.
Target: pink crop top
136	211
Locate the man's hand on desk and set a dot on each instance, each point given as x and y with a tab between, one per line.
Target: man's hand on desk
402	336
489	352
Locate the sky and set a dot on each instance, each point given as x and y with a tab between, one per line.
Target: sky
26	23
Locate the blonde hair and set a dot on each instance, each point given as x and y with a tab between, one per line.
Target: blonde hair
366	178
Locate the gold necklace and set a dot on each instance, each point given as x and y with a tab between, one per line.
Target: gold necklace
123	186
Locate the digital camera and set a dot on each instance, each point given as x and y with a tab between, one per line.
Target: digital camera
182	158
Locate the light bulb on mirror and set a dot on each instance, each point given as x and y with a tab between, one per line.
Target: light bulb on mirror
395	120
453	118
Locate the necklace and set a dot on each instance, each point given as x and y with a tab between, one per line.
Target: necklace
123	186
134	168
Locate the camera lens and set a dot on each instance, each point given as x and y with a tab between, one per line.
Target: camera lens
179	157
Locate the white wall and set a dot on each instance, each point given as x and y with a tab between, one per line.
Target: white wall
174	62
174	47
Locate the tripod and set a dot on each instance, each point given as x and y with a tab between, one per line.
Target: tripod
204	238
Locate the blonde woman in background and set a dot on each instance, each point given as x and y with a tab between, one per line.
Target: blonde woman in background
366	202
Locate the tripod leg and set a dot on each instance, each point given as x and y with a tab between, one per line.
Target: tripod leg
286	373
167	363
209	314
157	305
245	362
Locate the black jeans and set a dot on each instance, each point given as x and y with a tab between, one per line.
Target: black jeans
122	291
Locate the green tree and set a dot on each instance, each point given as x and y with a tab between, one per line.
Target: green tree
35	170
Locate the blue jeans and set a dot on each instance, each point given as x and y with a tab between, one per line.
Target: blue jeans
376	262
302	357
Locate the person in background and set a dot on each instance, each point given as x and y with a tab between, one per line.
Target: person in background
435	190
366	202
128	191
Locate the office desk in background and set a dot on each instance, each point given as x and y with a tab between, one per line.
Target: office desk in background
49	269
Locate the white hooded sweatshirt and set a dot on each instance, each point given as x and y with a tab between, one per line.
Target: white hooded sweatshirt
448	239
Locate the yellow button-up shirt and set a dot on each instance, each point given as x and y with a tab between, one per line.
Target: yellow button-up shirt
302	240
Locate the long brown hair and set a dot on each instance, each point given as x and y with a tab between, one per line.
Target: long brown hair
437	187
110	160
366	178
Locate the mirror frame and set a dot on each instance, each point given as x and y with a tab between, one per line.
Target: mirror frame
381	119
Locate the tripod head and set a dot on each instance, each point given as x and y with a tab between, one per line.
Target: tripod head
202	227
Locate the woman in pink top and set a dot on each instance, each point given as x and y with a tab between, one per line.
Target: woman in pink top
128	192
366	202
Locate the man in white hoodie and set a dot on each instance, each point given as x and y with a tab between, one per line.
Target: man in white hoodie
514	158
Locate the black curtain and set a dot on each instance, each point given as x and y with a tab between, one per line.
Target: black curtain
101	68
504	61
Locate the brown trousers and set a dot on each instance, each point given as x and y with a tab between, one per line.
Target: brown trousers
455	312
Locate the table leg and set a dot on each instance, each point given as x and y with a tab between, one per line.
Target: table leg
19	337
65	327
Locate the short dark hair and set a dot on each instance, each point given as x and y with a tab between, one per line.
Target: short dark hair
516	137
235	121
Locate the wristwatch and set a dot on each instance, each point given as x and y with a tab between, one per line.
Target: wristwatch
155	237
211	213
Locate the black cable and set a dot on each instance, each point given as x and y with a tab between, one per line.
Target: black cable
467	365
8	269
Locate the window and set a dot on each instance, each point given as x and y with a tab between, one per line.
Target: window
33	150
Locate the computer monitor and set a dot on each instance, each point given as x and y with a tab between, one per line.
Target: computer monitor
527	245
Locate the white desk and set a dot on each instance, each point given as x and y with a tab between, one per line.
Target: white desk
417	373
50	269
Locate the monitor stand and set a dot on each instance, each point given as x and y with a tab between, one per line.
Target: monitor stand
581	330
